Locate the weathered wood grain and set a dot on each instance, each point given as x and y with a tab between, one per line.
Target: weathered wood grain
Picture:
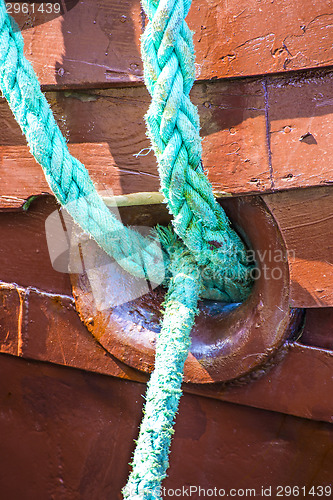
300	121
254	137
106	131
305	218
250	37
97	43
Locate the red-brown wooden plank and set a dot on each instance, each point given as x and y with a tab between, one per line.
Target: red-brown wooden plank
300	120
97	43
251	37
69	434
305	217
24	256
105	129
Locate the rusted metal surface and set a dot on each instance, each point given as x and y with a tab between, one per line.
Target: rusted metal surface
226	344
45	326
255	137
65	433
97	44
305	218
10	312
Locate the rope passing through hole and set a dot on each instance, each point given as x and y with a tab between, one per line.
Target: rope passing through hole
201	239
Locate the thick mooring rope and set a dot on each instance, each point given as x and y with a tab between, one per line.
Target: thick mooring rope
173	127
199	219
209	260
150	460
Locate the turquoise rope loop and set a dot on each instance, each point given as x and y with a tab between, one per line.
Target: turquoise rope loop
173	126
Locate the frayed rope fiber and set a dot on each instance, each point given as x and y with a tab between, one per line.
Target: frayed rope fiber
203	254
150	460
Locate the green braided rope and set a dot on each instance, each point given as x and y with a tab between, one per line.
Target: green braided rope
226	275
173	127
150	460
215	263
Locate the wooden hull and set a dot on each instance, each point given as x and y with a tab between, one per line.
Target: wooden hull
70	409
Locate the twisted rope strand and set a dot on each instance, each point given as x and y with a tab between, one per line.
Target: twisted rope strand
198	218
173	127
150	460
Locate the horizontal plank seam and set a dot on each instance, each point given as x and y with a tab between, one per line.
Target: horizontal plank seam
27	290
